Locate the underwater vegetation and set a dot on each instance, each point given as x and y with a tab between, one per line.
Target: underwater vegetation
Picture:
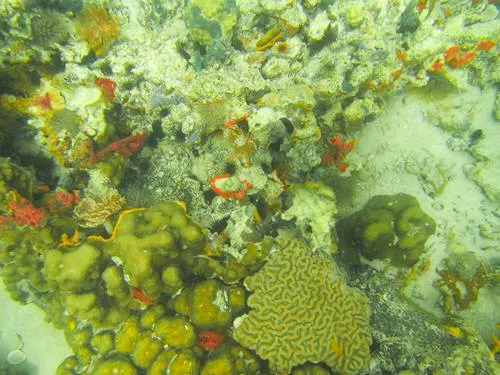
178	182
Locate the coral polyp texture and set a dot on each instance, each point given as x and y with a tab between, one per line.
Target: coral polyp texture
301	310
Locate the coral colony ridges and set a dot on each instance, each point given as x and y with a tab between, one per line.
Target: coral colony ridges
182	184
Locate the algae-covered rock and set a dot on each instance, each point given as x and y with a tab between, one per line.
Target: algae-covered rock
301	310
310	369
84	306
314	209
389	227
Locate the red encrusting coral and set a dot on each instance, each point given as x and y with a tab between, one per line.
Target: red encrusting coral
237	194
61	202
210	340
485	45
44	102
107	85
142	297
68	198
336	154
125	147
23	213
437	66
456	59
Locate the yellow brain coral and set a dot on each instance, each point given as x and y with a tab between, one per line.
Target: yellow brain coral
302	311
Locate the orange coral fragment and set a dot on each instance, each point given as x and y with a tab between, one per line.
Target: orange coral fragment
237	120
69	241
421	5
142	297
107	85
437	66
336	154
402	55
210	340
44	102
454	58
485	45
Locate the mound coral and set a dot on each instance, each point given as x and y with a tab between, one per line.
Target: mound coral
302	311
388	227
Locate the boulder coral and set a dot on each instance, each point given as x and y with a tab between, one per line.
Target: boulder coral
390	227
301	310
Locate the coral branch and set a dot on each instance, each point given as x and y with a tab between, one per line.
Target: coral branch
124	147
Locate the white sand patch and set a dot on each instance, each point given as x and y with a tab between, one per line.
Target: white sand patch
23	328
422	147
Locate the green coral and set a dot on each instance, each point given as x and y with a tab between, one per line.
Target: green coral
302	311
73	269
145	351
175	362
147	242
209	304
176	332
102	342
220	365
115	366
389	227
127	336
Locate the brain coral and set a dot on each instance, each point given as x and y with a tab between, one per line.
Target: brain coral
302	311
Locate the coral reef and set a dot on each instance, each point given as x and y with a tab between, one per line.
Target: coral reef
301	310
118	118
